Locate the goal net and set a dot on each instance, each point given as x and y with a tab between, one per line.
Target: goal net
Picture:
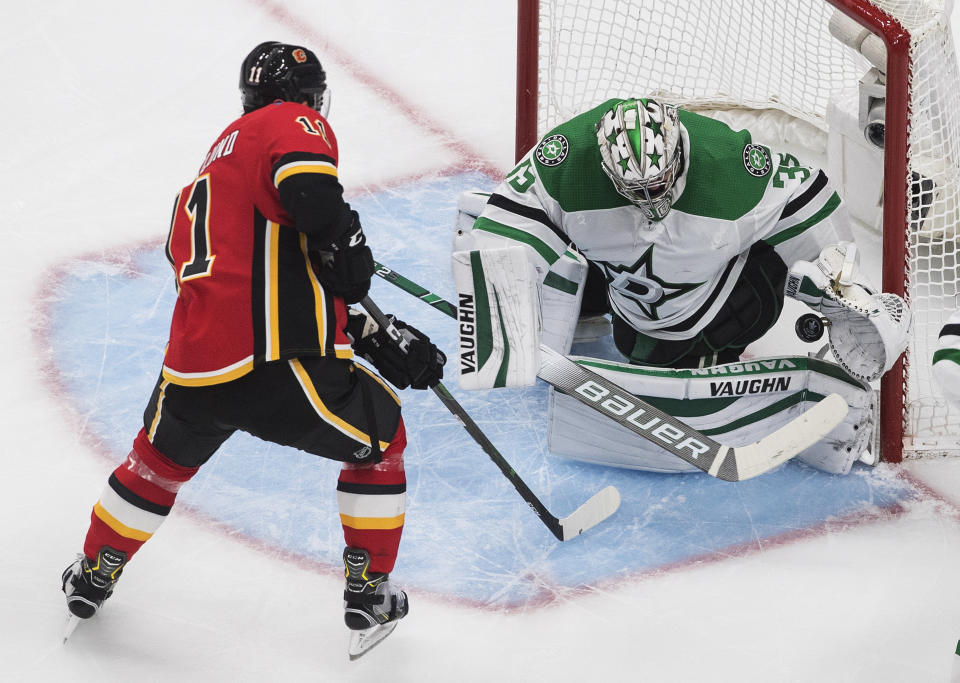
797	65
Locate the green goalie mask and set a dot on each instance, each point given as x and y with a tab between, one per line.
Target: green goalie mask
642	152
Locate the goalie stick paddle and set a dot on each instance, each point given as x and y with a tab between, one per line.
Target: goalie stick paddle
716	459
600	506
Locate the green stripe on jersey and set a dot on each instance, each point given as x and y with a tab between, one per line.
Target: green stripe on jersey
825	211
951	355
538	245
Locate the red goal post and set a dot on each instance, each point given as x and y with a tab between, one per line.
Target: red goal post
547	91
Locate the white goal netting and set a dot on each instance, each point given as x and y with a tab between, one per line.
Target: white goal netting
781	57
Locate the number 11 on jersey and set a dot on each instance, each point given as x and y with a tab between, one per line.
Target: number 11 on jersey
198	209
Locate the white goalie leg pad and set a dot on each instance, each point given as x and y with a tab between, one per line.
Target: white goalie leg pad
499	318
946	359
867	331
735	403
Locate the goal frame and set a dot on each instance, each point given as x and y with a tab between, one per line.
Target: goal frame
895	267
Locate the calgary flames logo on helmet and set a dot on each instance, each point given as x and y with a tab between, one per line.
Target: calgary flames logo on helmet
300	55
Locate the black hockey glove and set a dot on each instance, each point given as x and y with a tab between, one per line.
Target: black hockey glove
420	367
346	266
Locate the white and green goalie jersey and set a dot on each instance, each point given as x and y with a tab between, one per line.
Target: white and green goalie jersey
665	279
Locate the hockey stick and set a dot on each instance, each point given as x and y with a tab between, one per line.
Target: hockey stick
716	459
600	506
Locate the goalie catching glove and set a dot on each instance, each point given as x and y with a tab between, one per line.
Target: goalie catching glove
867	331
419	367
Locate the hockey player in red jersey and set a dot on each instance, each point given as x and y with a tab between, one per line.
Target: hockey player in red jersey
268	257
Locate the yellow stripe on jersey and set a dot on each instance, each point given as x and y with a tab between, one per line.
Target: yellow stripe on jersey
119	526
202	379
272	294
319	300
380	381
295	167
325	414
372	522
159	407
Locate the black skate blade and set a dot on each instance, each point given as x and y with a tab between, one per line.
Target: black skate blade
361	642
72	622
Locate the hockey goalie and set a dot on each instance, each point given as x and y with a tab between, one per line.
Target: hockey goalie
680	237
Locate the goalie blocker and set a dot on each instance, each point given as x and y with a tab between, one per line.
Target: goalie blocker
499	326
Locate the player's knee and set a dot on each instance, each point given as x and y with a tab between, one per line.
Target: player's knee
158	463
392	456
397	444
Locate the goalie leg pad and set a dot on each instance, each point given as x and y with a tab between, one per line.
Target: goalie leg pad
737	403
498	315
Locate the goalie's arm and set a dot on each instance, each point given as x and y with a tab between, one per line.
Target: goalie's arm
521	211
809	213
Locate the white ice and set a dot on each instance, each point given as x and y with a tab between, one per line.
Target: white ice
107	109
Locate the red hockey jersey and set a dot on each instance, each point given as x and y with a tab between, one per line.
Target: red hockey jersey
246	289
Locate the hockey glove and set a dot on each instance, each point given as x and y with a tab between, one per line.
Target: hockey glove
346	266
420	367
867	331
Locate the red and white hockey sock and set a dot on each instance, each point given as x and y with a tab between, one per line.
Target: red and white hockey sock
136	500
372	500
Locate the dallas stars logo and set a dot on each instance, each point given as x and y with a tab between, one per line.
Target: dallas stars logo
552	150
756	159
638	283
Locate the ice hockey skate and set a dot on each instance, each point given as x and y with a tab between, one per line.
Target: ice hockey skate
88	583
372	605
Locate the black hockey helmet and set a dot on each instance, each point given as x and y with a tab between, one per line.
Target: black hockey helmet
278	71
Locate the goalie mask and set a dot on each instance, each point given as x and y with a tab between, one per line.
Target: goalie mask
277	71
641	151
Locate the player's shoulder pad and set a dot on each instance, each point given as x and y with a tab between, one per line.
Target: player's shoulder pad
728	173
567	162
294	121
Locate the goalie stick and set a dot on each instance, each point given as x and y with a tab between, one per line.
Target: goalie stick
600	506
716	459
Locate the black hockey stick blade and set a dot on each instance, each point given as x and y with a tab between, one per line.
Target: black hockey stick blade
600	506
